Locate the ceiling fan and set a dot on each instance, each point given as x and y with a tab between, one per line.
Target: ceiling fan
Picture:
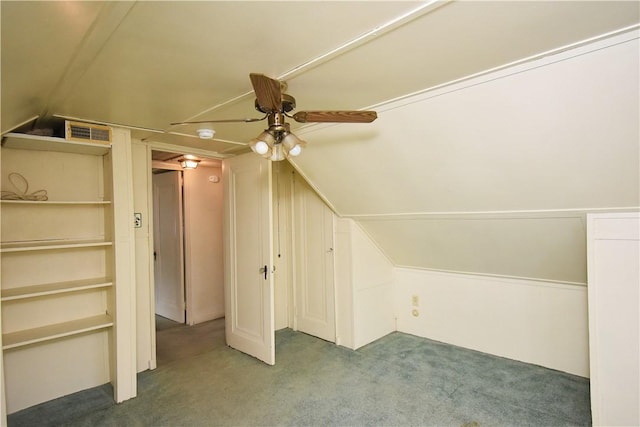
277	142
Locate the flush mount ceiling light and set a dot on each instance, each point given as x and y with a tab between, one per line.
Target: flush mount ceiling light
206	133
277	142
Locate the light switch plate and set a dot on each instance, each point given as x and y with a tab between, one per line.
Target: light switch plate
137	220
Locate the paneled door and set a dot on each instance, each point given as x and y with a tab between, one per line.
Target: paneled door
248	233
168	267
314	267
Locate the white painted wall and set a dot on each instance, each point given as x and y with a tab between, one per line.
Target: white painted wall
614	321
547	246
204	269
536	322
364	287
494	174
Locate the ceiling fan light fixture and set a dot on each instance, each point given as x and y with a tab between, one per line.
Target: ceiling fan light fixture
289	141
278	153
261	147
206	133
292	144
295	151
263	144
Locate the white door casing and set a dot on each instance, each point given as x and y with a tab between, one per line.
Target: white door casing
168	246
314	266
248	237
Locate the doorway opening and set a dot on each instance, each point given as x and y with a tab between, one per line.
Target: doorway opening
278	205
187	254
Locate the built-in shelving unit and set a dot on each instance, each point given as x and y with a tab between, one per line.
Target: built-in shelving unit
57	292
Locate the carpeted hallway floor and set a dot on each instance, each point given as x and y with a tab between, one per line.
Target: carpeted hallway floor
400	380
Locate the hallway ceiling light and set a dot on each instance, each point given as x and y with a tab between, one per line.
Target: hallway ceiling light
189	163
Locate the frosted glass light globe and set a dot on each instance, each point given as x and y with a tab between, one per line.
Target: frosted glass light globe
295	150
261	147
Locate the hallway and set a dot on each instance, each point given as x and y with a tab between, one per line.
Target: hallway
175	341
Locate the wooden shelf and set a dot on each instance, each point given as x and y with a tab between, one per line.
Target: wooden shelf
39	245
55	331
56	202
46	143
35	291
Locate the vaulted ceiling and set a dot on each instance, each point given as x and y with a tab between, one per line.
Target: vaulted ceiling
144	65
148	64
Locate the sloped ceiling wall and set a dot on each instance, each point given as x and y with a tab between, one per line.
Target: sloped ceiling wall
493	175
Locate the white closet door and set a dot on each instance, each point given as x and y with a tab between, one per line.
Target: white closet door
314	266
613	242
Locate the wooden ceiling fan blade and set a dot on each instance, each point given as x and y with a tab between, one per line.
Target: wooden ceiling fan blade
335	116
267	91
249	120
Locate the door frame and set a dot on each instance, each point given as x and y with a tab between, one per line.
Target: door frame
145	306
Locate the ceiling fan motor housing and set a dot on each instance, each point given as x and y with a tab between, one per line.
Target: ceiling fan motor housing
288	104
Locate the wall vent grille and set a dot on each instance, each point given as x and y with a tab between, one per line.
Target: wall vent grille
83	132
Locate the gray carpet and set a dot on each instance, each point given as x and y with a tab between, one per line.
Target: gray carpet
400	380
176	341
162	324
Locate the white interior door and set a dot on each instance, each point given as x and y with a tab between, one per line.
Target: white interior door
248	230
168	246
314	284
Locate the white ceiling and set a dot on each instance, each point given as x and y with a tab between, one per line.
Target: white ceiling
147	64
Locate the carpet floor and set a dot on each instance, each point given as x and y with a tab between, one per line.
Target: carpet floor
399	380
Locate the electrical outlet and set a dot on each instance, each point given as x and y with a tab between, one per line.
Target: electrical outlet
415	301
